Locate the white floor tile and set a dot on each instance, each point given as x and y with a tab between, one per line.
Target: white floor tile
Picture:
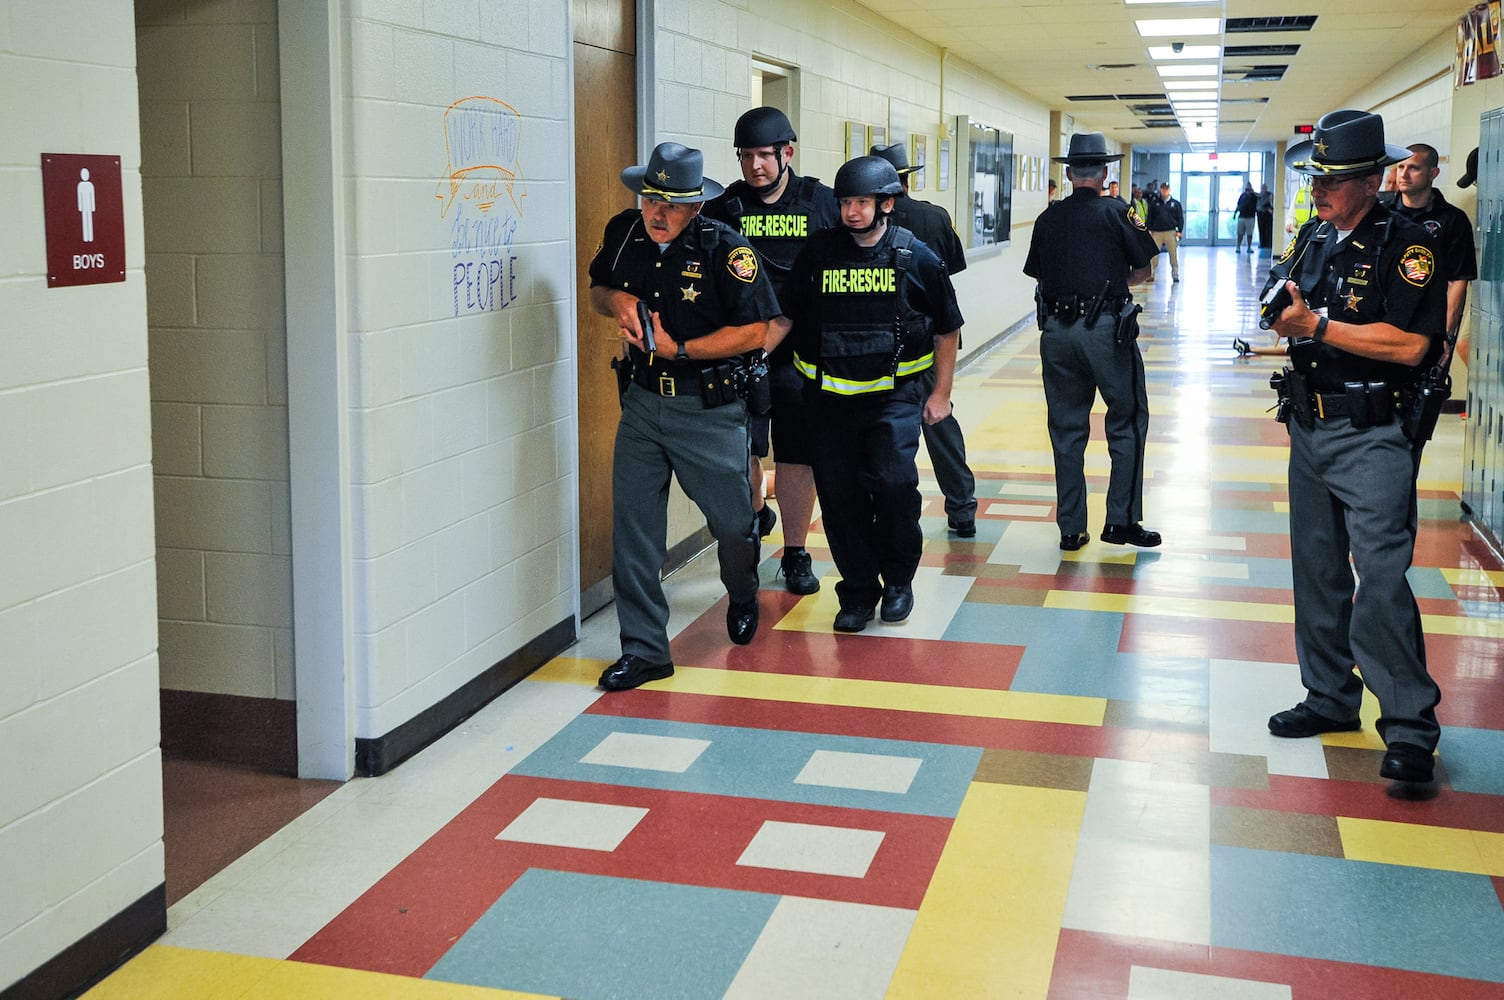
1243	696
1165	984
865	771
803	847
591	826
818	948
646	751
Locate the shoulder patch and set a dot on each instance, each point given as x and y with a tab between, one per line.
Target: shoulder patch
1417	264
1137	218
742	263
1284	254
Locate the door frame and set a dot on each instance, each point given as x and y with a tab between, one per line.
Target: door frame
1215	209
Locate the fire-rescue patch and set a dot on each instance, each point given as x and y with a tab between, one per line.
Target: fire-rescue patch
775	226
742	263
1137	219
858	281
1417	264
1284	254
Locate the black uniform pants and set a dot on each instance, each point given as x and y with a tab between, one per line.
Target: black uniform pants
947	448
868	485
1352	494
707	450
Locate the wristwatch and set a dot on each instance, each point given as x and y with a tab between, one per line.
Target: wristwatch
1320	333
683	353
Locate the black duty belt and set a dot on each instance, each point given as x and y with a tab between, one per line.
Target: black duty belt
1069	308
1327	405
665	380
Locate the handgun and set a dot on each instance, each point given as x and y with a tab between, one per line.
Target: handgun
1095	310
1275	301
645	318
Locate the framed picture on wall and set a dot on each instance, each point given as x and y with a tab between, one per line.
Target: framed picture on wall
942	174
877	135
917	144
856	137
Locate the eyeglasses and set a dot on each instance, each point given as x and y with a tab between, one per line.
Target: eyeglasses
1330	182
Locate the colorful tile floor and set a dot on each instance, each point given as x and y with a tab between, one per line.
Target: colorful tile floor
1053	781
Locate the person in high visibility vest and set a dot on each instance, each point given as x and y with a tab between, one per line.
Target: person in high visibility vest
1301	209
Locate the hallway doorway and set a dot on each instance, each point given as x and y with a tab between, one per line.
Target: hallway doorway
1210	200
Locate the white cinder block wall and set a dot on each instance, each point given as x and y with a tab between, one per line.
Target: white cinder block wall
211	176
853	65
461	285
80	795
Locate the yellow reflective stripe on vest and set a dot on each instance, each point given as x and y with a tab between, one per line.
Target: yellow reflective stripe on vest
855	387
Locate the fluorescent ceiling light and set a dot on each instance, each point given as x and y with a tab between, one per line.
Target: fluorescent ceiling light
1195	109
1166	3
1165	53
1190	85
1161	27
1192	69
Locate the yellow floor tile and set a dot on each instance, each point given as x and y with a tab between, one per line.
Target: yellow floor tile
1417	846
990	921
1179	607
165	973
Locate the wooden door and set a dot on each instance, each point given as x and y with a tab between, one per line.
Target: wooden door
605	134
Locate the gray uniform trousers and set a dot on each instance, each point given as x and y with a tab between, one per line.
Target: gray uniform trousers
1353	491
947	450
1078	363
707	449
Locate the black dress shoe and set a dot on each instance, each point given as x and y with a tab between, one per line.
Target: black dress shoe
1072	542
965	529
898	601
798	572
1302	721
1408	762
1241	346
853	619
766	518
632	671
1130	534
741	621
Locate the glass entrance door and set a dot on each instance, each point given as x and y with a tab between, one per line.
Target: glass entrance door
1210	200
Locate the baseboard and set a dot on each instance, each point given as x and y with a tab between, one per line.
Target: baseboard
380	754
98	953
256	733
682	553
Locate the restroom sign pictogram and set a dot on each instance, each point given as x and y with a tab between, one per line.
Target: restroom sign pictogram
85	213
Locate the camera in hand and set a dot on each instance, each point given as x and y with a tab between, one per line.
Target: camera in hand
1276	298
645	318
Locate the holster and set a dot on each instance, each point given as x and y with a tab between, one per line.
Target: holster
623	368
753	384
1421	404
1041	311
1301	407
1126	329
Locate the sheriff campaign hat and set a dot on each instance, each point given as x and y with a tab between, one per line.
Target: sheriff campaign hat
1345	143
898	155
1087	149
673	173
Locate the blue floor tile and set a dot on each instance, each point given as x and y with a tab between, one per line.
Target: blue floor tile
589	937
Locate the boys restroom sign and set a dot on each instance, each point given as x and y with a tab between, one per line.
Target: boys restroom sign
85	215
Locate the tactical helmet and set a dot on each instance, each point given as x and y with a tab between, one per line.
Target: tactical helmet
763	126
869	175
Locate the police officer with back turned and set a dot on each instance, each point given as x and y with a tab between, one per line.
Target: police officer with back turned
1085	252
777	210
873	310
942	439
709	304
1366	317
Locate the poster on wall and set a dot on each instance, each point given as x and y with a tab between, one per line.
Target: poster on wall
917	161
856	137
942	175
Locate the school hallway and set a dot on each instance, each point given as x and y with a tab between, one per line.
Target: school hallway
1053	781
